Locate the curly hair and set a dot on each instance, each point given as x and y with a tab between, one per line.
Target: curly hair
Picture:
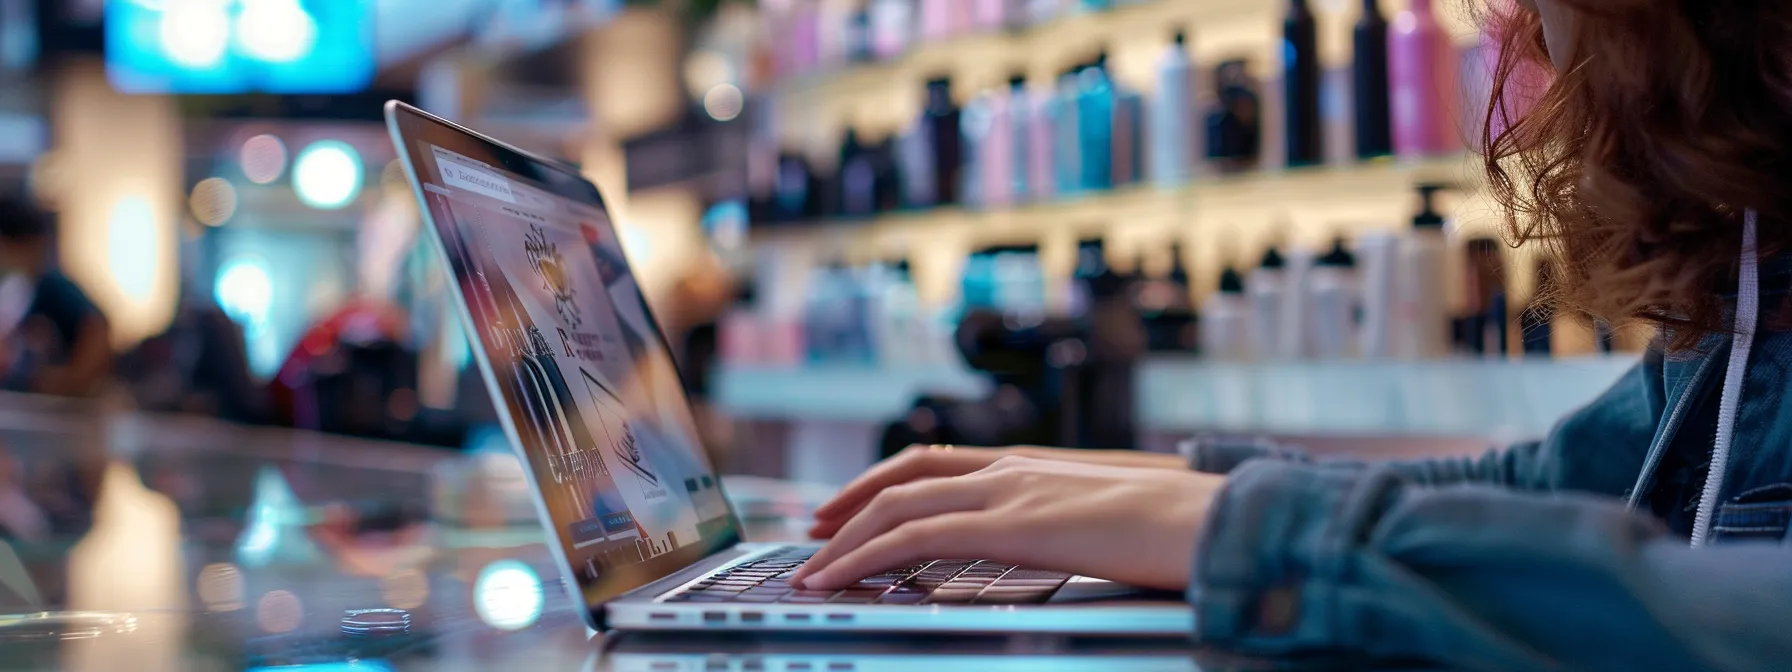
1632	167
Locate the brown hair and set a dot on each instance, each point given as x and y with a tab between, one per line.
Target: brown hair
1633	167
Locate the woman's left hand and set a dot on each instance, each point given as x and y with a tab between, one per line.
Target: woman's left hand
1135	526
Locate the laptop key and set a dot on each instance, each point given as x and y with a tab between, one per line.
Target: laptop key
761	598
950	596
894	597
1016	597
808	596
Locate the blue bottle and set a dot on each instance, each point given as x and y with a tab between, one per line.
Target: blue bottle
1095	126
1063	113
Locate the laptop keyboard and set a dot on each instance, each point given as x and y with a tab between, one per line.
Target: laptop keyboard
945	582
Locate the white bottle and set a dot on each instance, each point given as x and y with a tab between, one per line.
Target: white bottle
1226	321
1173	116
1421	317
1267	288
1377	254
1297	313
1333	305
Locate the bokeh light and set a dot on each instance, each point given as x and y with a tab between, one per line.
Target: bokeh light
327	175
195	33
213	201
245	290
724	102
220	587
263	158
279	612
131	246
706	69
275	31
405	589
508	595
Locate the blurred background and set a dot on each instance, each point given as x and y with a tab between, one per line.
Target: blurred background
862	224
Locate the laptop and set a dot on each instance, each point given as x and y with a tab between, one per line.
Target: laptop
587	392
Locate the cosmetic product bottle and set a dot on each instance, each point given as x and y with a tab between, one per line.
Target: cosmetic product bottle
1091	263
1172	115
944	138
1234	127
806	35
1377	277
1020	137
1300	84
1534	320
1042	138
1066	118
989	15
1422	68
1166	308
892	27
1333	303
1095	124
936	19
997	152
793	197
858	177
1297	312
1129	136
1267	289
976	122
1485	282
858	34
1369	69
1226	319
915	164
1421	327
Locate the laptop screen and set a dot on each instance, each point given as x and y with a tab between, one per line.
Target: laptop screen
570	350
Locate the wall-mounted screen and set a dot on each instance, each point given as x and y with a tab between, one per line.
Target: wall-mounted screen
240	46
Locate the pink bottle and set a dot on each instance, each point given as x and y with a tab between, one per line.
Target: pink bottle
992	15
1422	67
937	19
805	43
996	156
1042	136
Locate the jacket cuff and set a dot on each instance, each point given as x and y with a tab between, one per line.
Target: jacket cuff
1272	559
1220	455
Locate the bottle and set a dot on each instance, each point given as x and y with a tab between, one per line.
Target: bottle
1333	302
1067	149
1226	320
793	193
1422	67
990	15
858	34
1300	82
1020	137
1128	135
1267	288
1421	318
997	152
936	19
892	27
858	177
1172	113
915	166
1377	276
1095	126
944	138
1369	69
1042	138
1164	305
1234	127
976	123
1485	284
899	333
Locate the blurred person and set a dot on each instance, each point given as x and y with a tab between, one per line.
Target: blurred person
200	365
62	343
1647	531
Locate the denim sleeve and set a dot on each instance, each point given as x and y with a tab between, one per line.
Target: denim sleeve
1300	558
1599	448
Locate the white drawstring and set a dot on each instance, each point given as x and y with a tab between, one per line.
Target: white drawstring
1748	309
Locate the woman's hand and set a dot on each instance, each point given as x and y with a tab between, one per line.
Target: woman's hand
1135	526
924	462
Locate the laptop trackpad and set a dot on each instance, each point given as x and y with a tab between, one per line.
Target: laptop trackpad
1086	589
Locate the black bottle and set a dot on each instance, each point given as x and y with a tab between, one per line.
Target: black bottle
943	134
1300	85
1166	308
793	191
858	177
1234	128
1374	123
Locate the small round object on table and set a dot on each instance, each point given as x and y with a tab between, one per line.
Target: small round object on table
376	622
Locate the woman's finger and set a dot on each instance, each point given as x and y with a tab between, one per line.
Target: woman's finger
911	465
961	534
897	506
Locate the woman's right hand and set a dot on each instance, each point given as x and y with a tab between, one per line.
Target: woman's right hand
924	462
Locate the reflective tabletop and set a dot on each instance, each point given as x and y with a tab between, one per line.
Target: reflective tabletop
141	542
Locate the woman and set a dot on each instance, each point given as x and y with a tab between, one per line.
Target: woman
1644	533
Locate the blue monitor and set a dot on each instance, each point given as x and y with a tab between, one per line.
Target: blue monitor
240	46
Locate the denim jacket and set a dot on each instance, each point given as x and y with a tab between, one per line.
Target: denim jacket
1533	557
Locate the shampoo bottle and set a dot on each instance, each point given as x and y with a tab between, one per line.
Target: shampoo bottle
1300	81
1226	320
1332	298
1095	126
1267	288
1369	70
944	137
1421	317
1422	68
1172	115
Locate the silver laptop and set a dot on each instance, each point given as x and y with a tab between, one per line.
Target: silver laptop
587	391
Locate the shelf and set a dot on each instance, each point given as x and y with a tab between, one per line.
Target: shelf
1366	195
1463	398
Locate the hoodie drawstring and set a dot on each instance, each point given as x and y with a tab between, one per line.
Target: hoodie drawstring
1748	313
